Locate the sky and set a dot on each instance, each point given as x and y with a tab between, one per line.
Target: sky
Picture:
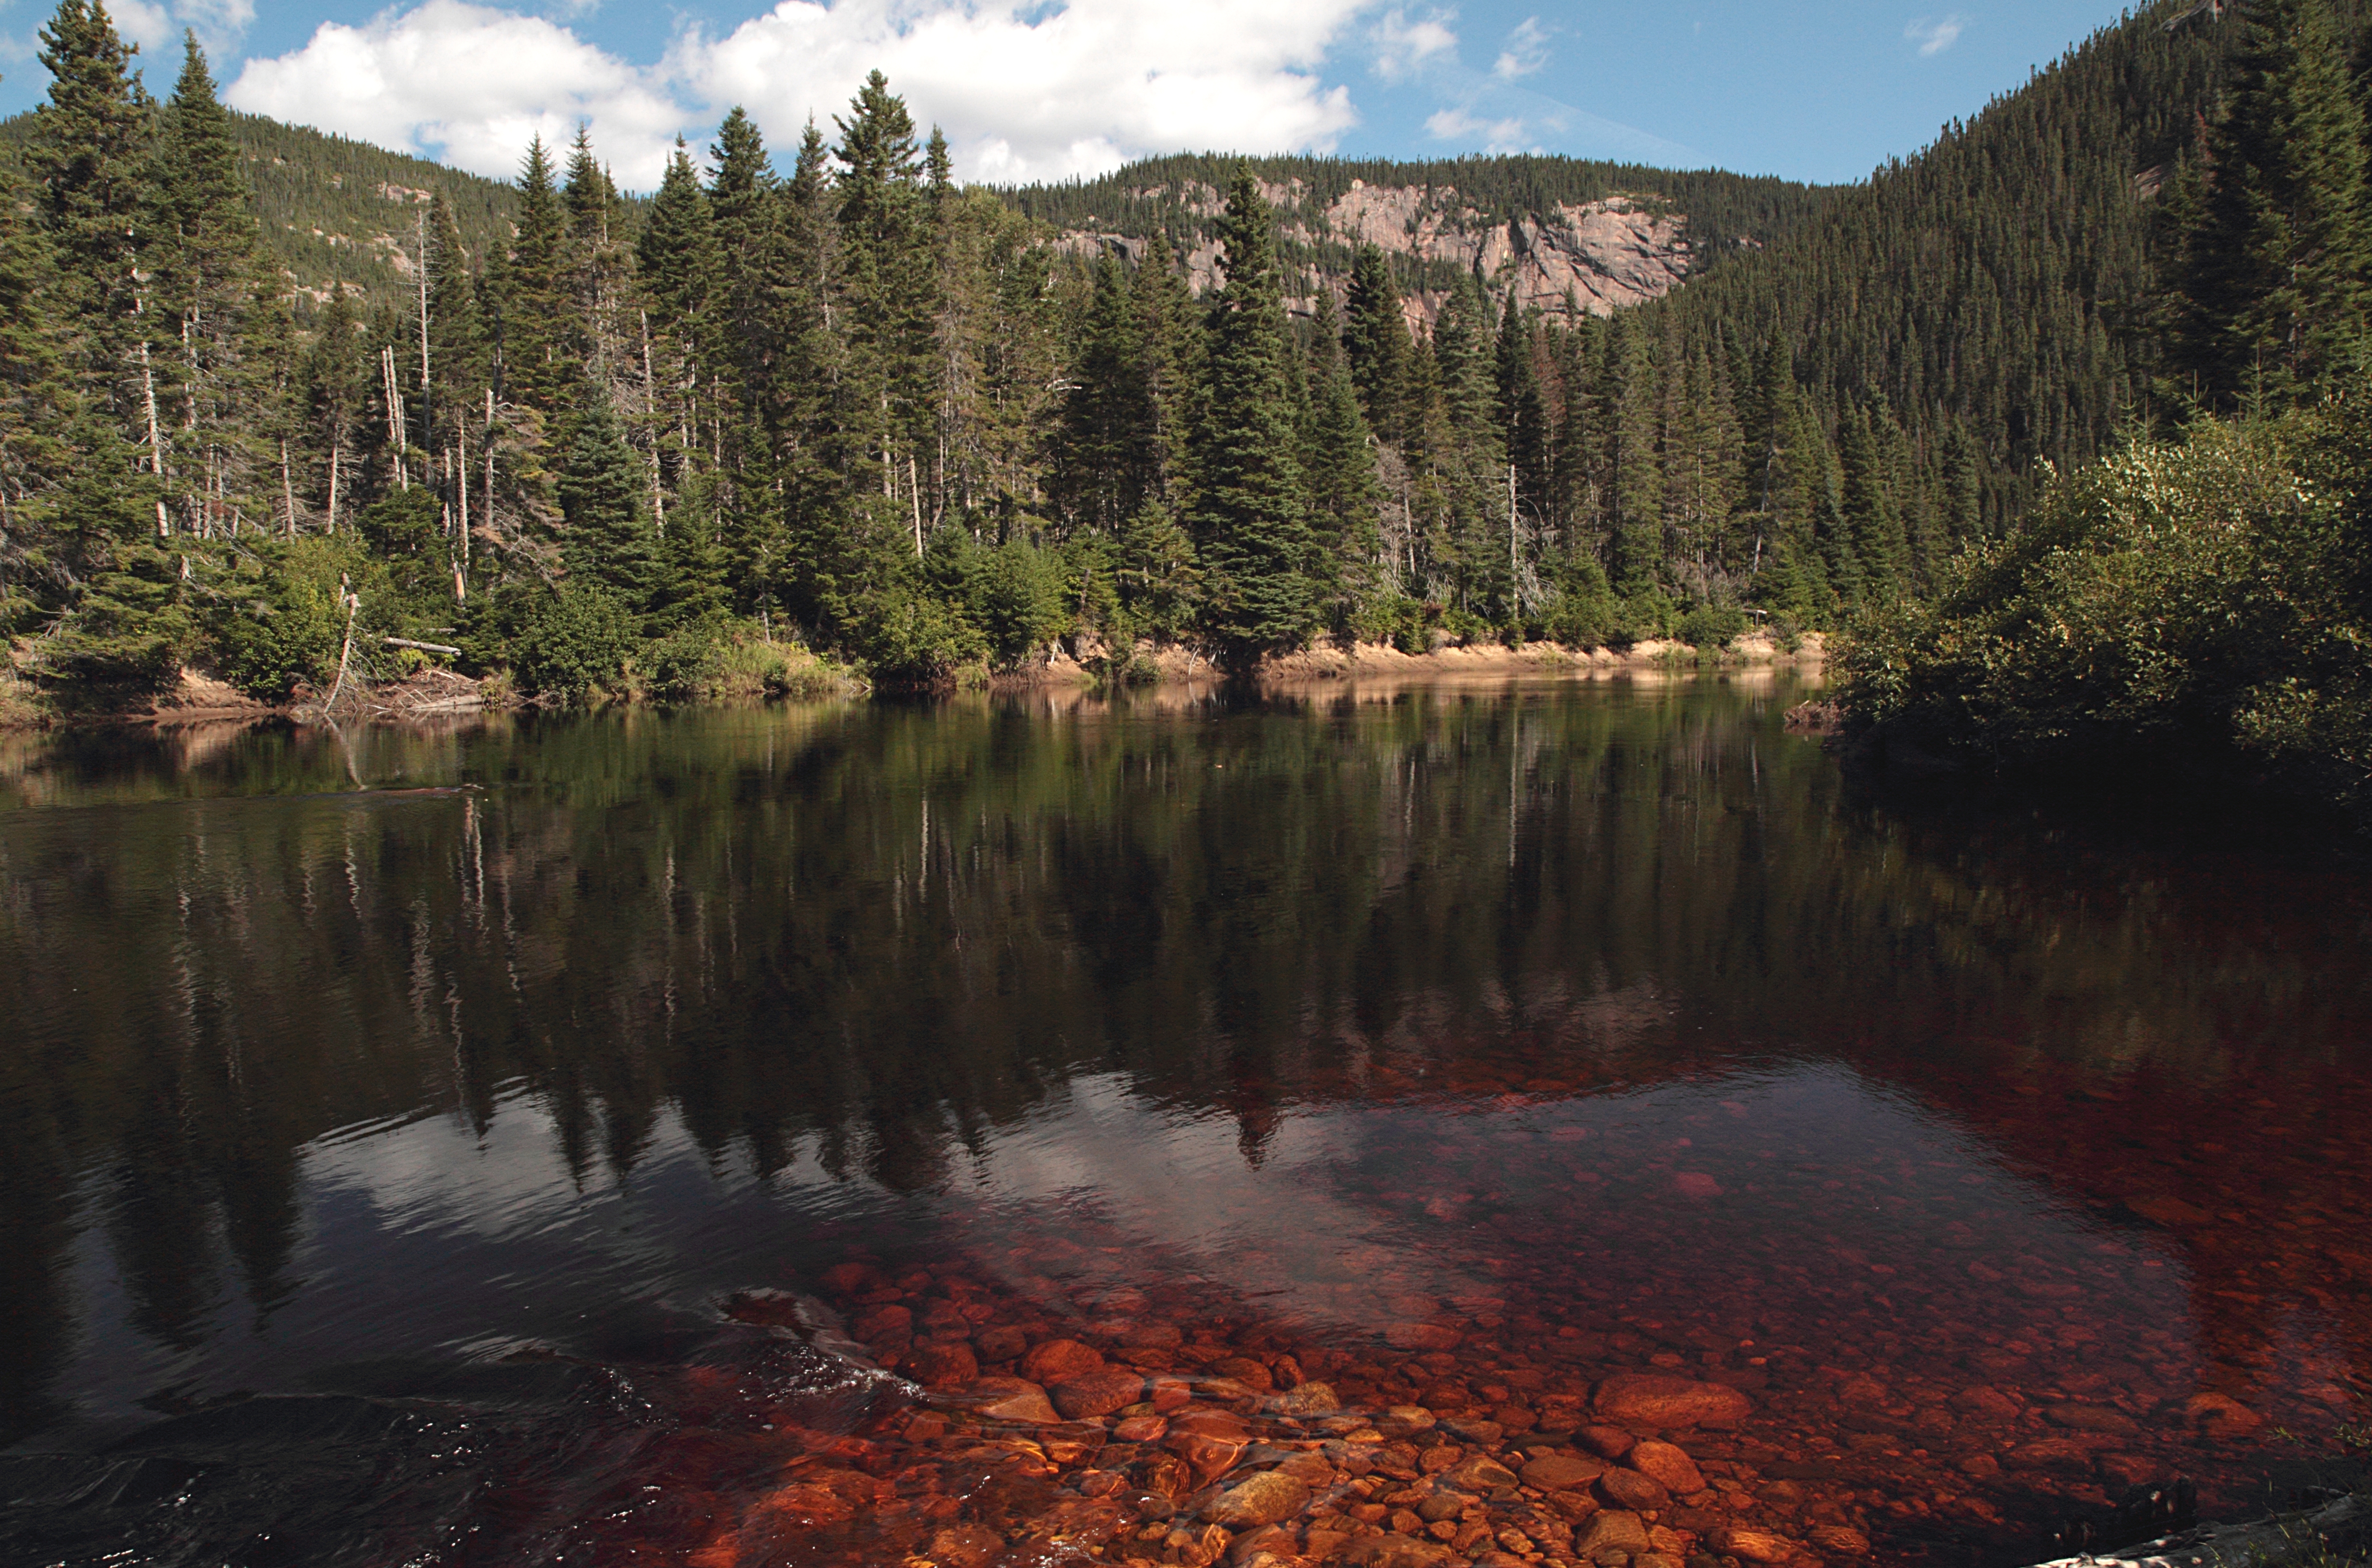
1053	90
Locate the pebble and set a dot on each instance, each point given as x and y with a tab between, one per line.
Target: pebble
1308	1399
1562	1471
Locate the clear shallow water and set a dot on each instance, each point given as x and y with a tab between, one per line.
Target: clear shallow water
500	1090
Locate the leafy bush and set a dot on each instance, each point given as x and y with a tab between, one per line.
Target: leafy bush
283	623
1583	612
1711	626
684	663
575	644
1019	596
2187	597
918	641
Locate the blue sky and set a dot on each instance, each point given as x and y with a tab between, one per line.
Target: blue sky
1047	89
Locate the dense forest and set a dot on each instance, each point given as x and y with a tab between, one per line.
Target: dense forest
610	445
2195	606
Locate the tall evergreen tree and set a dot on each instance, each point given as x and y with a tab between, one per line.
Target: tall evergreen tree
1251	514
1340	461
209	276
91	156
609	537
2274	273
1376	340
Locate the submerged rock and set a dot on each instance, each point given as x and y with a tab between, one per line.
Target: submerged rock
1264	1498
1659	1400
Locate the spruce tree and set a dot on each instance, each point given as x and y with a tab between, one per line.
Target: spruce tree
1376	340
532	296
2274	281
675	255
210	278
89	158
1168	349
609	537
1107	429
36	406
1250	516
1635	552
1340	461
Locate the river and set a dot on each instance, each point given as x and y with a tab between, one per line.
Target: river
1371	1113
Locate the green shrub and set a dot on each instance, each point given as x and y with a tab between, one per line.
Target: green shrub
1711	626
279	620
2187	597
684	663
1020	597
916	640
575	645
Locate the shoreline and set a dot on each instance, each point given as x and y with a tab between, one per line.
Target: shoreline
199	698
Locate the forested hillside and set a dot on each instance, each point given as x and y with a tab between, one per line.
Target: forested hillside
2197	608
848	401
335	210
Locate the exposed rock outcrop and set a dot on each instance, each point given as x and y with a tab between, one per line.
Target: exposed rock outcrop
1594	257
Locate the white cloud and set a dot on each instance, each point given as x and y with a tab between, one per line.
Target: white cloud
156	25
1510	136
1935	34
472	83
1403	47
1024	91
1527	51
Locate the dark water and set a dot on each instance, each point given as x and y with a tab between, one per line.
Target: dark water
474	1146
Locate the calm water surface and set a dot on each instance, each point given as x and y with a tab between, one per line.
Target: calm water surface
540	1140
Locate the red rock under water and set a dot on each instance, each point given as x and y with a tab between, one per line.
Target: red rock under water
1720	1371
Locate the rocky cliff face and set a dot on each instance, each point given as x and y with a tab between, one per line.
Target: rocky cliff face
1595	256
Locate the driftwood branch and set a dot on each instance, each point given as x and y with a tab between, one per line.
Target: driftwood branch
424	648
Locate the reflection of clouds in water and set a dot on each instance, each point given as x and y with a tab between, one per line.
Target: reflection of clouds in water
436	1174
1273	1232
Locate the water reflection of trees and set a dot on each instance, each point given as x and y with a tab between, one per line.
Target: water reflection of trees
882	932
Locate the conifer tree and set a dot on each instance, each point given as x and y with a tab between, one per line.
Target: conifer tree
457	341
1168	350
2273	284
610	535
1376	340
1340	461
1108	427
1251	518
90	157
209	276
334	388
1872	522
675	255
1635	552
533	298
36	405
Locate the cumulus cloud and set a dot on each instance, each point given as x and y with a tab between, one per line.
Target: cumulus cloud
1935	34
1527	51
469	83
156	27
1403	47
1025	91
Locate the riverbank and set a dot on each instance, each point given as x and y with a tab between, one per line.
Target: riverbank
431	691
